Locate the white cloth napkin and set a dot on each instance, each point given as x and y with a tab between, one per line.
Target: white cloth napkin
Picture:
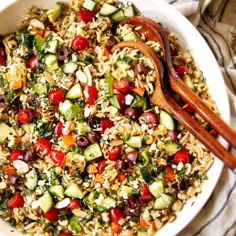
216	21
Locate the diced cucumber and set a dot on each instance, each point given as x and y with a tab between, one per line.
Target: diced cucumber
108	86
55	12
70	110
31	179
51	46
145	157
75	91
118	16
92	152
187	80
104	203
74	191
69	67
114	102
139	102
172	147
108	9
75	224
164	201
90	198
146	174
124	63
38	42
51	62
125	191
28	128
129	11
4	131
54	36
58	191
40	88
134	141
167	120
157	188
89	5
45	202
82	127
130	36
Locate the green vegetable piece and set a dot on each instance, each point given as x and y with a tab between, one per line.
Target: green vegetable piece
114	102
89	5
172	147
45	202
118	16
40	88
31	179
92	151
108	9
74	191
167	120
70	110
69	67
38	42
51	62
75	224
108	86
164	201
58	191
82	127
146	174
157	188
134	141
75	92
145	157
4	131
55	12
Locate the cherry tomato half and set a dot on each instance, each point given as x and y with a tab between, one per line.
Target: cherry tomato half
148	118
65	234
181	70
16	201
169	173
56	96
145	193
114	154
74	204
181	156
15	155
3	56
91	94
51	214
122	85
25	116
57	157
105	124
79	43
58	129
101	166
115	214
32	63
86	15
42	146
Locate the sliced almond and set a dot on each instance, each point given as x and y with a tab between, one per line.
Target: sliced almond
21	166
63	203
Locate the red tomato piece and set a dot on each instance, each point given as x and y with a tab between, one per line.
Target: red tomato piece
65	234
169	173
181	156
123	175
121	100
181	70
91	94
15	155
16	201
51	214
188	108
74	204
79	43
58	129
101	166
56	96
145	193
148	118
114	154
105	124
173	134
122	85
42	146
25	116
3	56
57	157
86	15
115	214
32	63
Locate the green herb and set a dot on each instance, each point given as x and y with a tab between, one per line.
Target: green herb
2	173
3	83
144	229
12	222
181	174
10	94
24	38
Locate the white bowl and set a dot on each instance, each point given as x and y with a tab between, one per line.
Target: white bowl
12	11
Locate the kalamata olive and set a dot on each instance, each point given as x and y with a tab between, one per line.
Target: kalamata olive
16	104
2	98
30	155
93	136
62	53
182	185
33	101
82	141
132	156
120	164
140	68
15	180
27	221
94	122
131	113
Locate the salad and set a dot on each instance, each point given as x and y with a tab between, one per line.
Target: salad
83	150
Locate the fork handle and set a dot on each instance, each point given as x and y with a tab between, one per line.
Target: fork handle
201	134
205	112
